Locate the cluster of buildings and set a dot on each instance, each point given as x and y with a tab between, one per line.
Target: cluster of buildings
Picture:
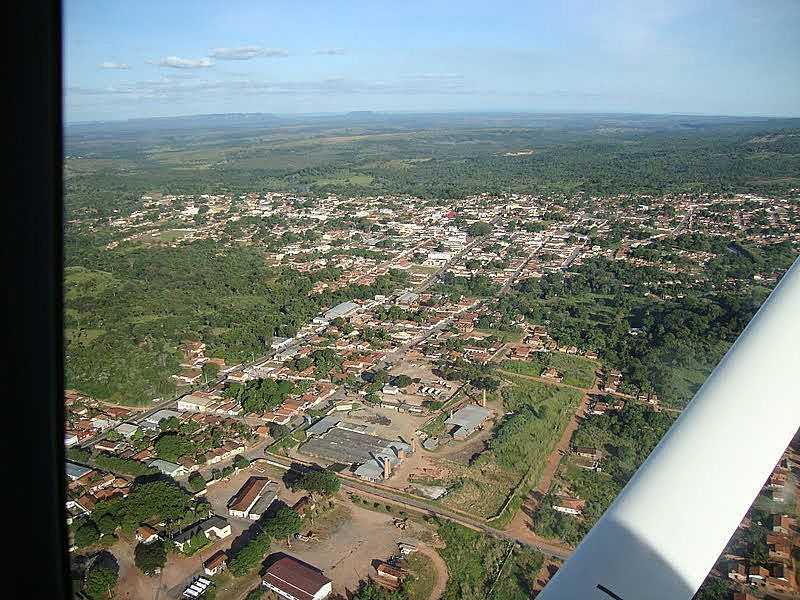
760	558
88	418
332	440
410	331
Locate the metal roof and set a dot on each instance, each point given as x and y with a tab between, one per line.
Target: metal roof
340	310
76	471
323	425
469	417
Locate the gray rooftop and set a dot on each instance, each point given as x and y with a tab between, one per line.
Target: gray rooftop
76	471
350	447
370	470
188	533
166	467
408	297
160	415
214	521
340	310
263	503
323	425
469	417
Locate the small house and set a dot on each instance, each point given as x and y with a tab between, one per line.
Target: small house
216	563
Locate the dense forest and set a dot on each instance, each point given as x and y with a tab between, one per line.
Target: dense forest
432	156
666	343
127	310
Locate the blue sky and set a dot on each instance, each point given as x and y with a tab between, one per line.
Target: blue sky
168	58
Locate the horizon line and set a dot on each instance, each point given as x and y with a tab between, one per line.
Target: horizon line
434	112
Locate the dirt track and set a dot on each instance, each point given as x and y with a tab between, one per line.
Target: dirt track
442	574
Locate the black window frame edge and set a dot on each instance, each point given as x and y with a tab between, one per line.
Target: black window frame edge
34	419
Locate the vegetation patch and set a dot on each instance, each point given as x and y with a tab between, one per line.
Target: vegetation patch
481	567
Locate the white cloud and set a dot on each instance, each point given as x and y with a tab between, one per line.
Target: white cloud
177	89
436	76
176	62
247	52
110	64
331	51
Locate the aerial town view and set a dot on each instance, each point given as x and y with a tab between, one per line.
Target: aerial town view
389	356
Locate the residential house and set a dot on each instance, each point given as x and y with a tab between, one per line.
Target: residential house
214	527
146	534
757	574
389	572
782	524
551	373
779	573
780	548
261	506
216	564
568	505
304	505
245	499
738	572
169	468
587	452
188	376
197	402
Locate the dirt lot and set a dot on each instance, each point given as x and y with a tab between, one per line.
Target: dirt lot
346	551
402	424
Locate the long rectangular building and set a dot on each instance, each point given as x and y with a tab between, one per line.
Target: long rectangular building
242	503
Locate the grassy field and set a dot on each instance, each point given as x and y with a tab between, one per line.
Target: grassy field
575	370
482	567
524	440
347	179
480	488
517	452
419	585
530	368
80	282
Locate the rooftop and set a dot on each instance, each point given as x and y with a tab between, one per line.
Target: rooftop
269	495
248	493
75	471
340	310
351	447
160	415
469	417
323	425
296	578
166	467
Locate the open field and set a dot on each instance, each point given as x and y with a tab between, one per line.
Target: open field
482	568
423	580
346	549
575	370
481	476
